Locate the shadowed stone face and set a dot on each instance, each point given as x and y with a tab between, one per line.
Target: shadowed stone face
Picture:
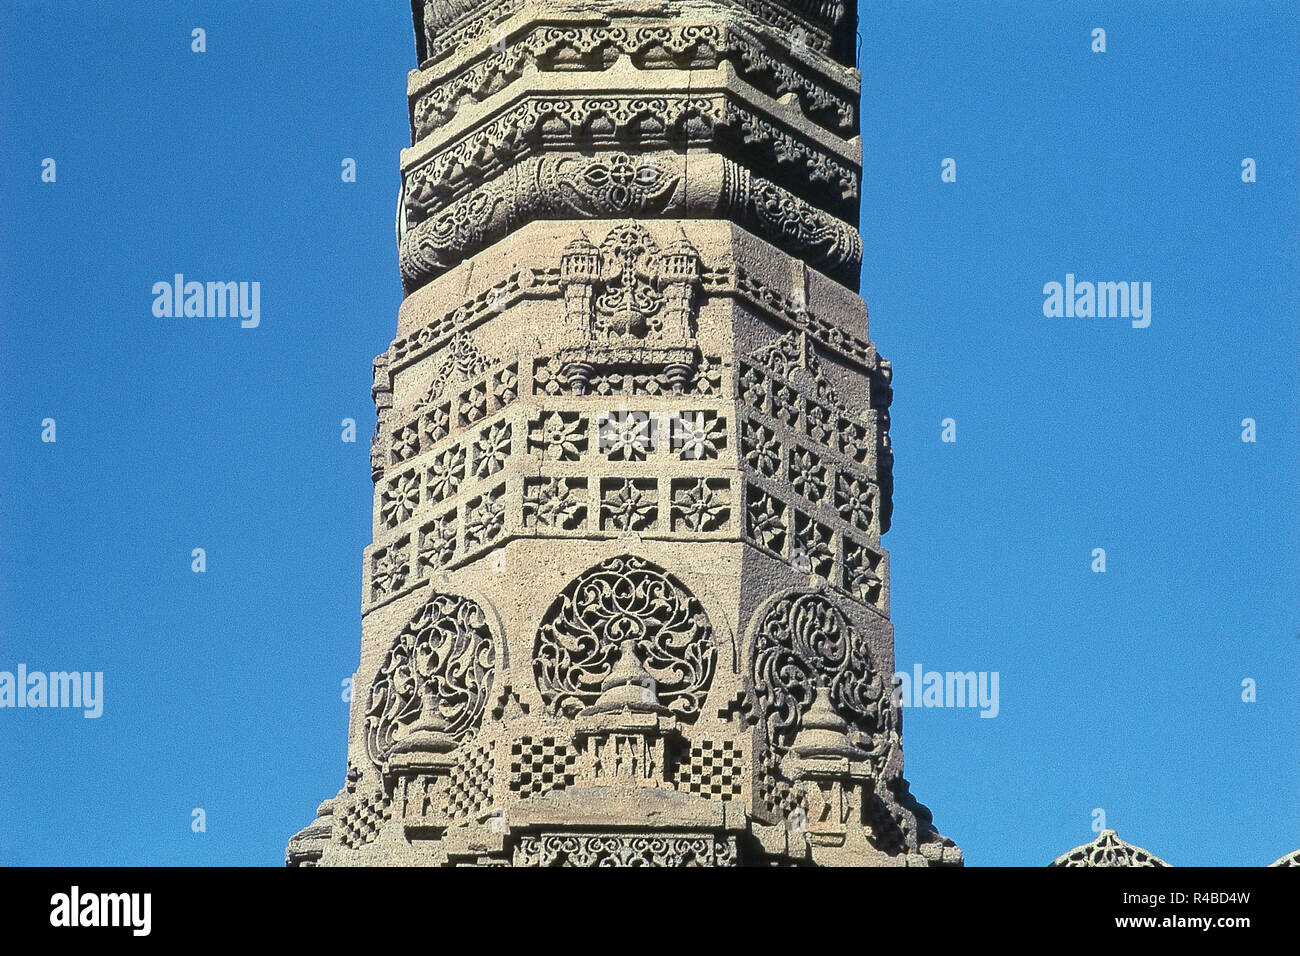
627	602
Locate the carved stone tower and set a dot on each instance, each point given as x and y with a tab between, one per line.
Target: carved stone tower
626	601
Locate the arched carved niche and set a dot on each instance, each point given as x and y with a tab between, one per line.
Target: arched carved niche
439	670
801	641
624	604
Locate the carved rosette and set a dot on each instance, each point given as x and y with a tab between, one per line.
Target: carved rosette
805	642
624	604
438	672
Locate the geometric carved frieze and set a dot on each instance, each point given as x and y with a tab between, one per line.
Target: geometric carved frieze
823	168
552	377
713	769
729	280
540	765
447	27
829	98
815	543
799	432
624	605
564	468
465	406
360	822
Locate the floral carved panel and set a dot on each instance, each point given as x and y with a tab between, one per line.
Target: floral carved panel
804	641
621	602
440	666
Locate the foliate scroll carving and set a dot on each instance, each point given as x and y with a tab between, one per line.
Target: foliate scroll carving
438	671
616	184
439	14
823	240
805	642
1108	850
605	849
624	603
461	212
461	361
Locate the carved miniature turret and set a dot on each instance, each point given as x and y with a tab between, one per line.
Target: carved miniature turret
628	688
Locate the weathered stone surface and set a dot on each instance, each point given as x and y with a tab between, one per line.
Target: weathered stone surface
1108	850
627	602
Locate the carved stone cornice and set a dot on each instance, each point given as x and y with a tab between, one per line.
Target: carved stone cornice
616	186
457	24
718	116
826	92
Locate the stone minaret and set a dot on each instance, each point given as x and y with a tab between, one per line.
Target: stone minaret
627	601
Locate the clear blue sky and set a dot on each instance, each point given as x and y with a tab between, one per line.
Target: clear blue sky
1119	691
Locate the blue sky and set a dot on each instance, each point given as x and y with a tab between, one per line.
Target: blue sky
1120	691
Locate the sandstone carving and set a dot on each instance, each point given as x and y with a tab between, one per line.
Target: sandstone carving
1108	850
626	602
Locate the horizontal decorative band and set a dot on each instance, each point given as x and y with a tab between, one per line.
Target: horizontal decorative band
719	120
616	186
827	92
460	24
